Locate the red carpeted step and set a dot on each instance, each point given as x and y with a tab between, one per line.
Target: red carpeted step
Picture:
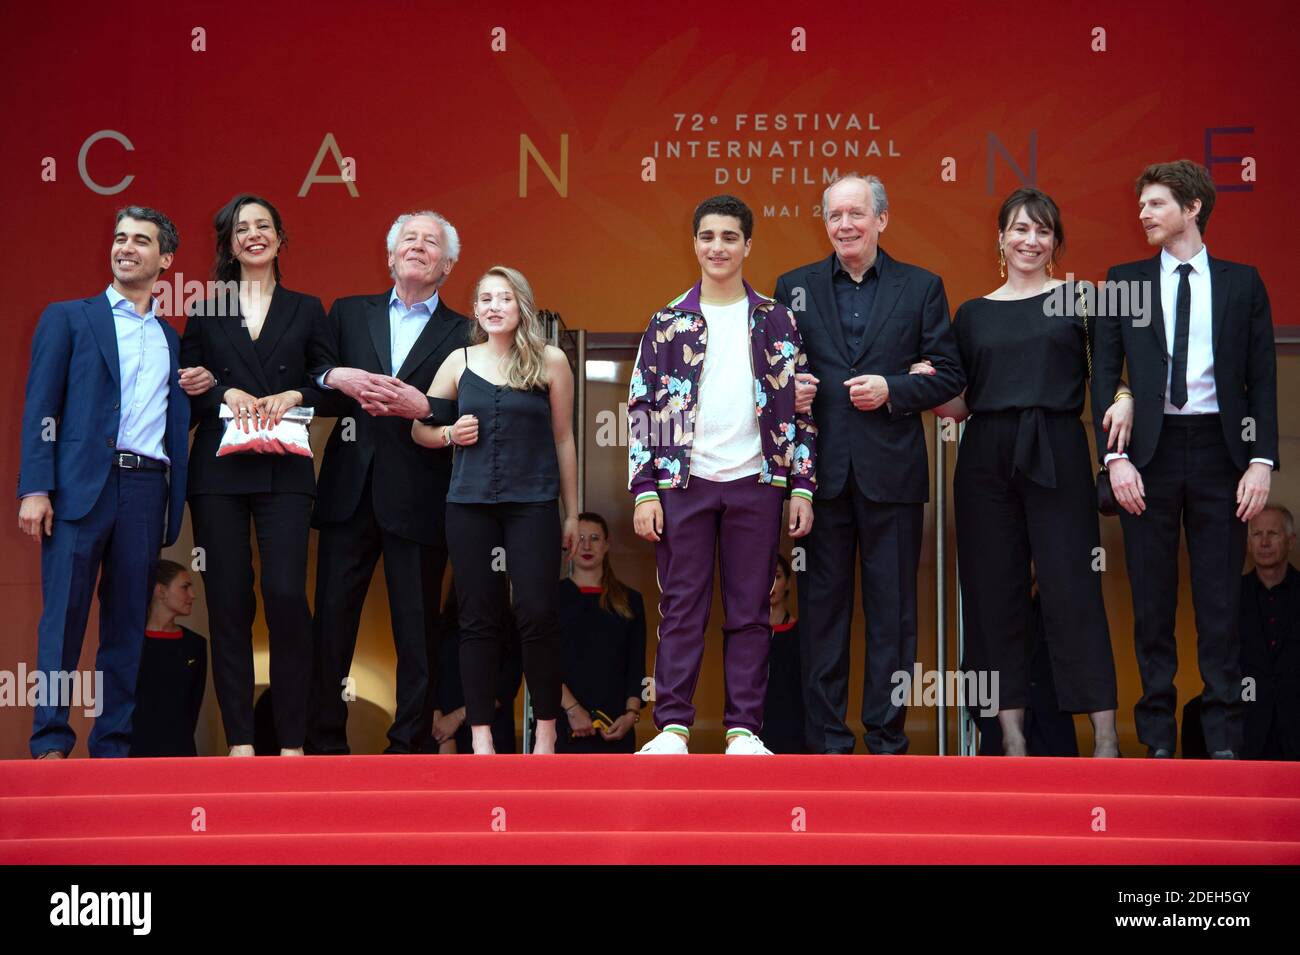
698	772
469	811
599	810
605	848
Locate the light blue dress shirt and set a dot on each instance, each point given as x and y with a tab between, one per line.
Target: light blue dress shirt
145	364
405	325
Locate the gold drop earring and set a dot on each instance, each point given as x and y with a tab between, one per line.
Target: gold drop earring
1002	262
1049	270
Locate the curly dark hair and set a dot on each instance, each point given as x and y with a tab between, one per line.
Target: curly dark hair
725	206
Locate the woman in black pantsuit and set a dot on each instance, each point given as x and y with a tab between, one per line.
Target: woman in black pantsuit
1023	486
262	343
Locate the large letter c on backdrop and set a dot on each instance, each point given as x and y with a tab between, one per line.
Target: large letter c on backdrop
81	162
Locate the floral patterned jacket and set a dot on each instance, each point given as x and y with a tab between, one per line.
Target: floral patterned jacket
665	384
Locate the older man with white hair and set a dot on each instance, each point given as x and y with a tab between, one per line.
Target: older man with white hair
379	492
865	319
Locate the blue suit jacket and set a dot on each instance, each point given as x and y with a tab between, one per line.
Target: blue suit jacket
74	380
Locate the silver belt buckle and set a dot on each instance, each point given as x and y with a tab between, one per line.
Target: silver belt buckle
128	460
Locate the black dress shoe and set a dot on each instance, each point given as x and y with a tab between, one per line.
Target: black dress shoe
837	752
1223	754
1159	752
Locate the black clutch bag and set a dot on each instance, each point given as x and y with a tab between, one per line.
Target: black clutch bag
1106	504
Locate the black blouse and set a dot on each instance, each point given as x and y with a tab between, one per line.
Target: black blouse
604	655
514	458
1016	355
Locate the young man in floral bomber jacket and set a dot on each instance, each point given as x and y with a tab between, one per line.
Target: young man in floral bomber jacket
716	445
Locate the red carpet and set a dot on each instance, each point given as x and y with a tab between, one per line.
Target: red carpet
625	809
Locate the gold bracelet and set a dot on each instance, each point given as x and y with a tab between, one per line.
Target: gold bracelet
1122	394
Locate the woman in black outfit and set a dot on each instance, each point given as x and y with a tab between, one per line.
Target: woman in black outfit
783	709
514	455
1023	486
261	341
602	628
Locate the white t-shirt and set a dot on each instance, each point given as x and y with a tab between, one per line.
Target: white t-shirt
727	445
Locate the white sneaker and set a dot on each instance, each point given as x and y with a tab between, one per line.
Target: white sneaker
747	744
667	743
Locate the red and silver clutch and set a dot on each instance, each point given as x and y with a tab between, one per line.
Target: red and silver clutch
290	436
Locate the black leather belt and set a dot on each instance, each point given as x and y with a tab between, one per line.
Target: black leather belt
1192	420
137	462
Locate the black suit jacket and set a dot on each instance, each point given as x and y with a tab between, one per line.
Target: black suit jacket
410	482
295	339
1245	362
909	321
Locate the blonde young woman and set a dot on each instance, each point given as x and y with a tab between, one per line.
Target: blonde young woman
513	435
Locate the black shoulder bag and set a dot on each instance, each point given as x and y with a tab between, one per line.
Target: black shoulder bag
1106	504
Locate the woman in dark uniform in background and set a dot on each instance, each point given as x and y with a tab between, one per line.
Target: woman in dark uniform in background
602	629
1023	487
262	346
173	670
783	709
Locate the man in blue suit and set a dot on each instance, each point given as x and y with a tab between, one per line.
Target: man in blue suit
105	430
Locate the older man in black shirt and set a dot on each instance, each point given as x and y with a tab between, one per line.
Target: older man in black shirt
1269	623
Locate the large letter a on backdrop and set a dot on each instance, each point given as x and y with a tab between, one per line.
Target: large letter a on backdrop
329	144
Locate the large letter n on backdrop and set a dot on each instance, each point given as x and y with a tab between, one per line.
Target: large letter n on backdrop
526	149
1026	179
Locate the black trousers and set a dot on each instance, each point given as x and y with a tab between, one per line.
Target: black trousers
1004	521
487	542
1189	480
282	523
345	563
887	538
